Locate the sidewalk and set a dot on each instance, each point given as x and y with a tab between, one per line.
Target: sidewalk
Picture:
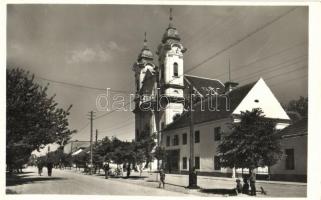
213	186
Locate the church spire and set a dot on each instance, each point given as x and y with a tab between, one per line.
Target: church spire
170	17
229	70
145	40
145	53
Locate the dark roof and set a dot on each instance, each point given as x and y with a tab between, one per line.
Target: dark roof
298	128
201	84
202	112
294	116
171	33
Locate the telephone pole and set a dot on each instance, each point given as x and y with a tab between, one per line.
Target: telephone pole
96	139
91	141
192	182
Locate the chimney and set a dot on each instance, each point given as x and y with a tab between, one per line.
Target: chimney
230	85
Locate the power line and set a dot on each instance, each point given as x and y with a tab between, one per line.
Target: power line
287	72
261	59
273	68
81	129
240	40
119	125
81	86
110	112
282	74
118	128
289	80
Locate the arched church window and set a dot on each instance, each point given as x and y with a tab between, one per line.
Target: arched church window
175	69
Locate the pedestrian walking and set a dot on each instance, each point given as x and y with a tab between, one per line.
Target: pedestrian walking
39	166
106	169
162	178
246	186
252	182
49	168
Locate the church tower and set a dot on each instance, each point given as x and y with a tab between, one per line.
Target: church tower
145	83
171	74
144	62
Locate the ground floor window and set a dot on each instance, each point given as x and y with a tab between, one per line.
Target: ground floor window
197	162
217	163
184	163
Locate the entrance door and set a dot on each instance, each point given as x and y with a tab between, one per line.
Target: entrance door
172	161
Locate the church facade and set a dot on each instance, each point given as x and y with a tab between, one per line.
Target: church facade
164	96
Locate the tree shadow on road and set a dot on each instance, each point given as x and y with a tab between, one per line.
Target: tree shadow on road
135	177
13	179
124	177
228	192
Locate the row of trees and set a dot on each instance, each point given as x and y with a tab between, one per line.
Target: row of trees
139	152
131	154
33	119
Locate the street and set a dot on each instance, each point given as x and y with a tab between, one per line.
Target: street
75	182
67	182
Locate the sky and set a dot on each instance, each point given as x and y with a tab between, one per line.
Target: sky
96	45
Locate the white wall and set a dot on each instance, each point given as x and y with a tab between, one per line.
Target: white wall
170	58
299	144
206	149
171	110
266	101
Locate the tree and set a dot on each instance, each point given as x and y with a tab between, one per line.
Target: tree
102	152
160	153
81	159
145	142
300	105
33	118
176	116
253	142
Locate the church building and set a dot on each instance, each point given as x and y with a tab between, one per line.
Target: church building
164	99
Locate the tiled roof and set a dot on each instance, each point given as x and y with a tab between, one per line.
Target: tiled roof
201	84
296	129
204	112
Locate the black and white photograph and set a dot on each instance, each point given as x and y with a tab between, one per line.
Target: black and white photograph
157	100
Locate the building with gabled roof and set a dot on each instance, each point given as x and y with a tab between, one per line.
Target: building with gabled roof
164	96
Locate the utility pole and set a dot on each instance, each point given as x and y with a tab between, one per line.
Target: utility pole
91	141
192	174
96	139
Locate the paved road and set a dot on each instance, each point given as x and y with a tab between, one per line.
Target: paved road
66	182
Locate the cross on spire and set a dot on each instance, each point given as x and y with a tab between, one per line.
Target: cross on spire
170	17
229	69
145	40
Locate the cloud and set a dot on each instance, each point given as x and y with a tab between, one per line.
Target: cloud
114	46
94	54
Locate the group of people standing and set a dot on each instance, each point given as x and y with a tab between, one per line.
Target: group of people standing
245	187
41	164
